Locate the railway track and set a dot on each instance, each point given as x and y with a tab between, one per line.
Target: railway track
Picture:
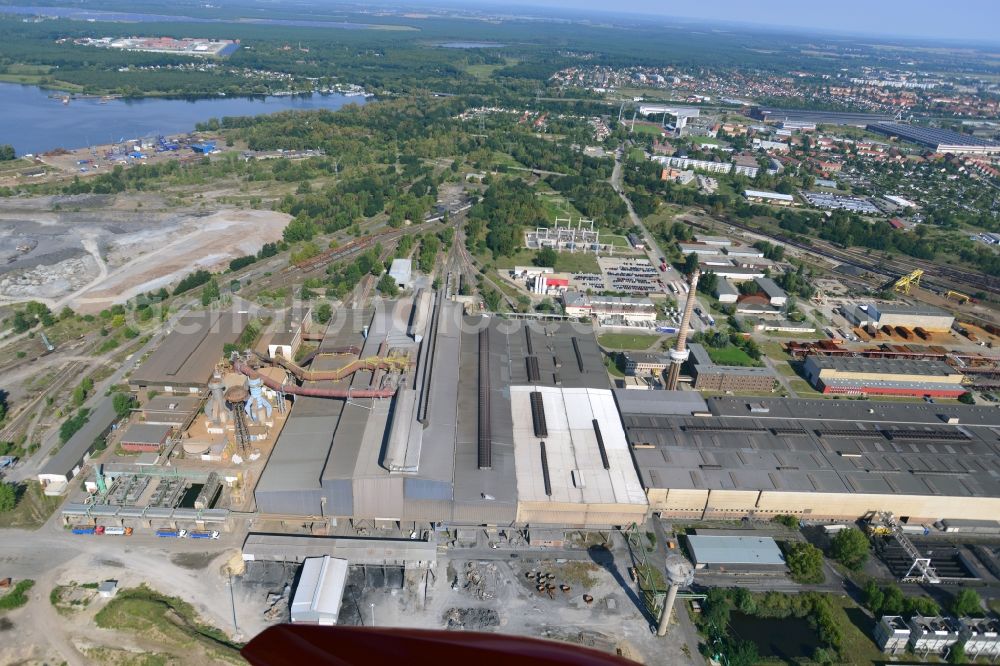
943	277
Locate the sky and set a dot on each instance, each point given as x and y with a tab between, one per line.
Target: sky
977	20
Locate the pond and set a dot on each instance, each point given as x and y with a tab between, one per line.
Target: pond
784	638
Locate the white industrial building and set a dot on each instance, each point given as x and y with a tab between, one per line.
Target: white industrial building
769	197
922	316
743	553
933	635
572	461
402	272
320	591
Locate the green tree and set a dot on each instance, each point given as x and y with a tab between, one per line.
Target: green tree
122	403
805	561
546	257
690	264
957	653
7	152
850	548
8	497
387	285
323	313
967	603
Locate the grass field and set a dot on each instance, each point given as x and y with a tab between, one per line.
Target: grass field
484	71
774	351
566	262
627	341
784	369
706	140
730	355
652	130
167	621
33	508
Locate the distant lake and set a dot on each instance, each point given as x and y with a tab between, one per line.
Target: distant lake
33	122
471	45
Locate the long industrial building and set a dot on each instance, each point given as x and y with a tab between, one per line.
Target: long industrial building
883	376
730	457
939	140
405	457
185	360
922	316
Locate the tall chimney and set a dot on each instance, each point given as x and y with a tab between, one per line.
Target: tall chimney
680	353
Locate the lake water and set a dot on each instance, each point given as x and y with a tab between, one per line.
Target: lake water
471	45
33	122
785	639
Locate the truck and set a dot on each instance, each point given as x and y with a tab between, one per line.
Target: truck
204	534
118	531
168	533
84	529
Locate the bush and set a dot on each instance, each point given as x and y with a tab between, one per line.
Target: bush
791	522
71	425
967	603
8	497
850	548
18	596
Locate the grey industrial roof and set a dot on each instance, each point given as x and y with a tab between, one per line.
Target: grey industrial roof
659	403
145	433
771	288
490	494
726	287
919	310
187	356
705	365
179	404
933	137
735	550
645	357
552	345
834	446
883	366
357	551
73	451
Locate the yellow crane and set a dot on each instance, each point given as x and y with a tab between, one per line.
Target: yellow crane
958	296
903	284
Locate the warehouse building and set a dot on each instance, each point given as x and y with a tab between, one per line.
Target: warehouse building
185	360
145	437
572	460
401	271
761	196
883	376
320	591
708	376
734	553
938	140
776	296
726	292
908	316
817	459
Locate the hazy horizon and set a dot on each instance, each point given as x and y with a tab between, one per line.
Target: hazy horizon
974	20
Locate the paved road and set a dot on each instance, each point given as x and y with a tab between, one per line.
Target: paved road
653	250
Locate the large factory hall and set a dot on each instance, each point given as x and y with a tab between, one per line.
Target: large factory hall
410	416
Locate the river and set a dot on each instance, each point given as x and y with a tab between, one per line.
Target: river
33	122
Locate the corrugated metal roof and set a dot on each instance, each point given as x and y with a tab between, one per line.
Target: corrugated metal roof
735	550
